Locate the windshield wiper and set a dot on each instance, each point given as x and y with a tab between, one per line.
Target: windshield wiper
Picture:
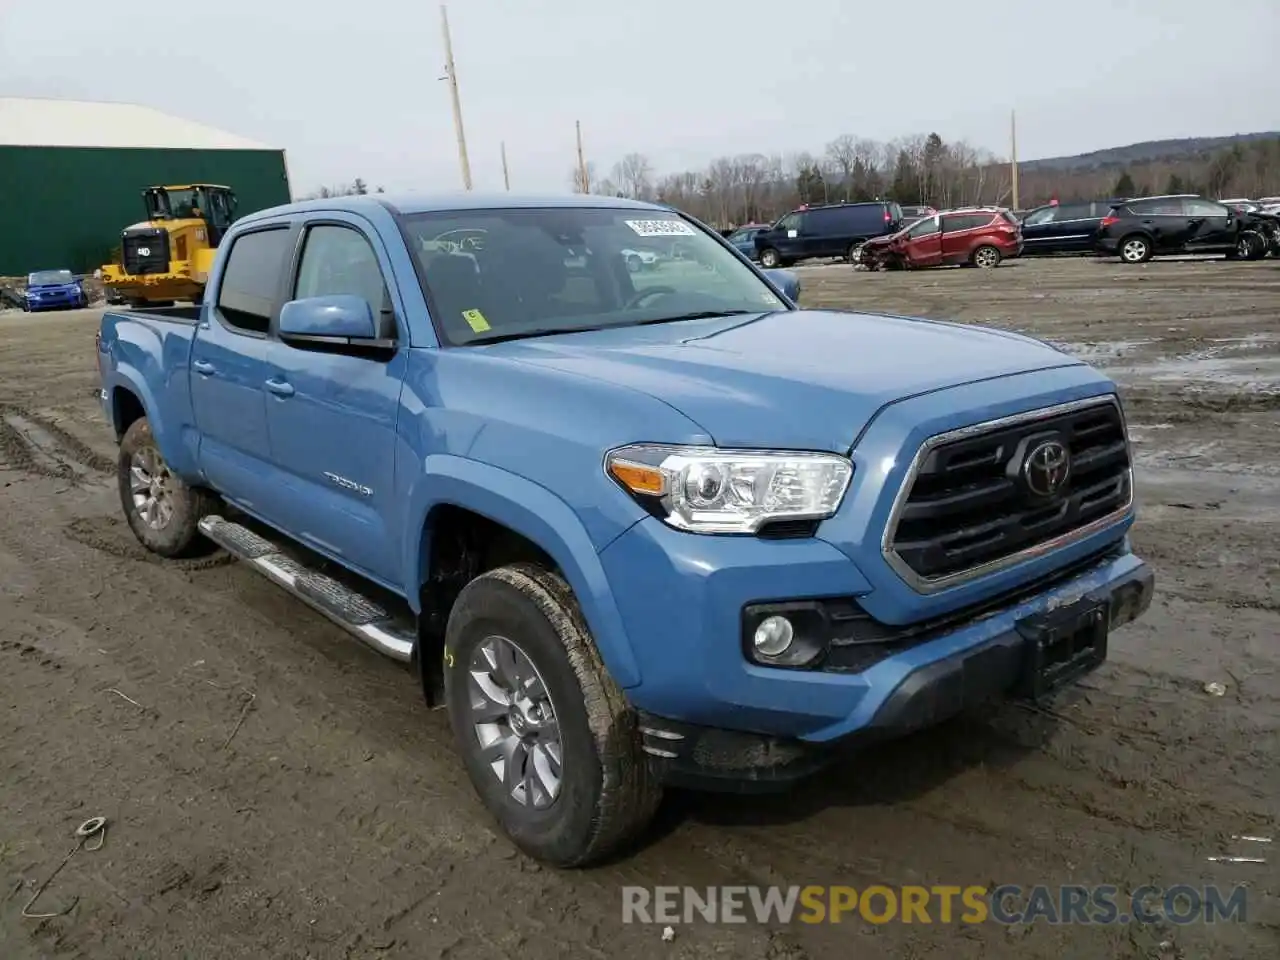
525	334
549	331
696	315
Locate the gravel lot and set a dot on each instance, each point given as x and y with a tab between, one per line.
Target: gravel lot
276	790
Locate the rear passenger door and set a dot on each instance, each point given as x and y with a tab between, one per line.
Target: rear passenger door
1072	228
1165	219
229	365
332	415
959	234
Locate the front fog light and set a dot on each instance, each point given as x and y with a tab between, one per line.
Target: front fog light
773	636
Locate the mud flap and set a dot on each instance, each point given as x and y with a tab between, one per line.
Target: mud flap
1062	645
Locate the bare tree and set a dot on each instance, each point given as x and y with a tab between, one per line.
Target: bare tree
842	153
575	178
634	173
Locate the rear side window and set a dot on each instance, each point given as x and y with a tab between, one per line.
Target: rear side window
1156	207
965	221
251	279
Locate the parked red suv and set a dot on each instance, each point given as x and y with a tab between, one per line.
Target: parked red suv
977	236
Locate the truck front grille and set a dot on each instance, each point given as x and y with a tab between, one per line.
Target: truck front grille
982	498
145	251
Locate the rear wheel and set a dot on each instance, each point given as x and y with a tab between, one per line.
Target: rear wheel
854	252
162	511
1135	248
770	259
548	740
986	257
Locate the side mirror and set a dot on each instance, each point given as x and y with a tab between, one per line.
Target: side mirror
338	319
786	281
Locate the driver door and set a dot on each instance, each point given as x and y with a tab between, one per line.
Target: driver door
332	416
923	246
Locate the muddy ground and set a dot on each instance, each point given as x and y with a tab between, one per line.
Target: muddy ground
276	790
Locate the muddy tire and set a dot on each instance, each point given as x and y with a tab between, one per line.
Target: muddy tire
986	257
559	764
770	258
162	511
1135	248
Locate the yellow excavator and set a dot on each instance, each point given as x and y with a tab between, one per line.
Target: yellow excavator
168	256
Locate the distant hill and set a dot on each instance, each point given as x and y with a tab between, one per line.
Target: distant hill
1185	149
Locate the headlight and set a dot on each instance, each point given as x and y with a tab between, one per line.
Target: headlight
706	490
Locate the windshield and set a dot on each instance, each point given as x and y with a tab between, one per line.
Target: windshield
45	277
508	273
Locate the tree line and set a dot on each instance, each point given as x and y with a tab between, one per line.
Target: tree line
921	169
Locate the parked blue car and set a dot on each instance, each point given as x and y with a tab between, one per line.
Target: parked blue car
53	290
632	529
744	238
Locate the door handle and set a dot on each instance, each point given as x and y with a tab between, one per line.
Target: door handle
204	367
280	388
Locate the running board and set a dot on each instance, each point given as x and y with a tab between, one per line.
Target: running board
349	609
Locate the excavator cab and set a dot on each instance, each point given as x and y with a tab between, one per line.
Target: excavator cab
198	201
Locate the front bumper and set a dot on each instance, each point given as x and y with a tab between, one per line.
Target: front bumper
988	660
61	301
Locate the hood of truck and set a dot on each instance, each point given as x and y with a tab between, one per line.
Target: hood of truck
803	379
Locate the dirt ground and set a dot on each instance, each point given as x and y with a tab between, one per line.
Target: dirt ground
276	790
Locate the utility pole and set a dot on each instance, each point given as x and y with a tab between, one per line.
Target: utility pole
452	76
506	177
582	163
1013	147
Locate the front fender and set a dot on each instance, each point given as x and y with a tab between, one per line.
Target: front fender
536	513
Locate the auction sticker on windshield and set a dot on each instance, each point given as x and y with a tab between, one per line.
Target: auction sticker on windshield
661	228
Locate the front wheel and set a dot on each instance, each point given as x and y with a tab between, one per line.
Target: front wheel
770	259
986	257
548	740
162	511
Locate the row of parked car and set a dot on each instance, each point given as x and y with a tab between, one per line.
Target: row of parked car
885	234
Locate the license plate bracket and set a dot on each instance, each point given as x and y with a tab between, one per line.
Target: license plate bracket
1062	645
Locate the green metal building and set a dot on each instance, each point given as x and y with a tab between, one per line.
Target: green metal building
72	175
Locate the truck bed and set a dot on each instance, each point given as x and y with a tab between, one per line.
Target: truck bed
179	313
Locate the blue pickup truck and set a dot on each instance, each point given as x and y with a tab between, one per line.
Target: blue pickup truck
630	529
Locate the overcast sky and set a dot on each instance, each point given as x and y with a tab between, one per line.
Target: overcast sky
352	88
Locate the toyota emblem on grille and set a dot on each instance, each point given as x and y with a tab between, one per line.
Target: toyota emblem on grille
1046	468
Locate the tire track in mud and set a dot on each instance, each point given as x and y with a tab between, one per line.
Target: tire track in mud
111	536
35	445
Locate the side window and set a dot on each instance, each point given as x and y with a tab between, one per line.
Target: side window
251	279
1073	211
965	221
790	222
1043	215
338	260
924	228
1205	208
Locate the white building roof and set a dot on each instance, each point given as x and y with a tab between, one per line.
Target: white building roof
82	123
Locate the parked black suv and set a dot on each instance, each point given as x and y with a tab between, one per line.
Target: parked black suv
1137	230
1063	227
834	230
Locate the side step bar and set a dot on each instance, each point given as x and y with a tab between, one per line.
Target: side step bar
352	611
